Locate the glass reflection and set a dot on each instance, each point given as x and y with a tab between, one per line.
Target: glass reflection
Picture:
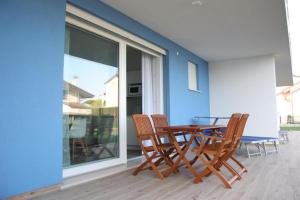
90	102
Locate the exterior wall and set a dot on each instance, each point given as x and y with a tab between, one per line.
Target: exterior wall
31	85
180	110
245	85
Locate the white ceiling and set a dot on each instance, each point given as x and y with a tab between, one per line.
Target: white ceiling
219	29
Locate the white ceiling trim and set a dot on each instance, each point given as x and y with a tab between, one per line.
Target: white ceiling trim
219	29
108	26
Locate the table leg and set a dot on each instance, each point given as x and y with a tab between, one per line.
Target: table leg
181	157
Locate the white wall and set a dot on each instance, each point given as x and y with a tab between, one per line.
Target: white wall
246	86
112	92
134	77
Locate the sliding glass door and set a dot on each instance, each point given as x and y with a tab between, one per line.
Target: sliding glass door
91	98
95	92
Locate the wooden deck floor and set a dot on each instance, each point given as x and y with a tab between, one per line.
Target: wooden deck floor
276	176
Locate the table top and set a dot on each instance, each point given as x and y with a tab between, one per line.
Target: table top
191	127
212	117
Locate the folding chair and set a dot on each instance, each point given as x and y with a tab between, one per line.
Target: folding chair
211	153
105	130
160	121
236	142
144	132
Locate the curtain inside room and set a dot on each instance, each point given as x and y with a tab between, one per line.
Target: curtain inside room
147	83
152	84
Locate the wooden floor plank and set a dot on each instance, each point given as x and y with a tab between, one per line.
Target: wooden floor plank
276	176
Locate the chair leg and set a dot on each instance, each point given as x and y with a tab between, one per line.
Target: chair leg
207	156
194	160
83	146
140	168
220	176
154	168
167	154
243	168
204	173
234	173
152	165
210	168
176	154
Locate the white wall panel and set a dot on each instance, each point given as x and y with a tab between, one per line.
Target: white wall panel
246	85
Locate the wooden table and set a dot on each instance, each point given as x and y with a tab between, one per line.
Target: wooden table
185	129
215	118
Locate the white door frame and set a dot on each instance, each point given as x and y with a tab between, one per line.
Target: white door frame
123	38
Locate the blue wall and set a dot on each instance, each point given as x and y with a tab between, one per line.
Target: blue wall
178	96
31	85
31	69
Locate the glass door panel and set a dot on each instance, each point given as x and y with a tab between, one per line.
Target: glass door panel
91	98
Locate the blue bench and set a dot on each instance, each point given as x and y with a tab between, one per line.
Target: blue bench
260	144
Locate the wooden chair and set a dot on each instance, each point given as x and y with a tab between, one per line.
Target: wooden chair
232	148
211	153
236	142
105	131
159	121
145	132
77	135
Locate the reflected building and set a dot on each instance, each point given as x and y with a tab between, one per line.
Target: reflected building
110	96
73	96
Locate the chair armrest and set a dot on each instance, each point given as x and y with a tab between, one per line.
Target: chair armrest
214	138
162	133
217	133
146	136
206	139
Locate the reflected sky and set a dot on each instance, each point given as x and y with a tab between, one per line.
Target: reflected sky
92	75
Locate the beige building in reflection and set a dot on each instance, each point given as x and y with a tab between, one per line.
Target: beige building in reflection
73	95
111	95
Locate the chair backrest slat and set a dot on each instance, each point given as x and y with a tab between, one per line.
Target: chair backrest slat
240	129
143	125
231	127
159	120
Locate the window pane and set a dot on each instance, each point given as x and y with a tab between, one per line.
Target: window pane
90	102
89	46
192	76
